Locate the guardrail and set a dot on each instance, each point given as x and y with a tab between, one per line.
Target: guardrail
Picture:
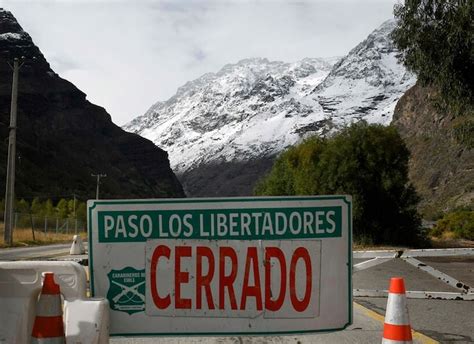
375	258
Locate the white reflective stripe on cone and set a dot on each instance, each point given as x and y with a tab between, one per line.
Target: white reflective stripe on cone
397	310
56	340
389	341
49	305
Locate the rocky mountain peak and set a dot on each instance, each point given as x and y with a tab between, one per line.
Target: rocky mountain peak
255	108
370	51
8	23
227	108
62	138
15	41
367	82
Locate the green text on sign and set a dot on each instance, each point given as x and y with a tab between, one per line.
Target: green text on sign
226	224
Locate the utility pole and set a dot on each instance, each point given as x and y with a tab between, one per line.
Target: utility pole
74	210
10	183
98	183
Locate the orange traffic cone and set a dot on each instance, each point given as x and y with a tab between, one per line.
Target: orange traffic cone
396	328
48	326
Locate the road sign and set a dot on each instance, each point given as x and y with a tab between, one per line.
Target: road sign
264	265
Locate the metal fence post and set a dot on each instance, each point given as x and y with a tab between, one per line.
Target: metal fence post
32	227
45	224
67	226
57	225
75	226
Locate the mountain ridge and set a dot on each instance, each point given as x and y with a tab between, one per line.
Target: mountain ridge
254	109
62	138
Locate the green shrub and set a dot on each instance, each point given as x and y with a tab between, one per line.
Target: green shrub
460	222
436	232
369	162
464	133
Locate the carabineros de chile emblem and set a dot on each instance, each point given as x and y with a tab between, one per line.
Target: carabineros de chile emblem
127	290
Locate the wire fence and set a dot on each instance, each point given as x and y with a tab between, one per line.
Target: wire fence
49	224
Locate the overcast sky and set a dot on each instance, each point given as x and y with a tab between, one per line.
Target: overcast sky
126	55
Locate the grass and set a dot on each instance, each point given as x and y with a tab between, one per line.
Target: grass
24	237
369	247
449	239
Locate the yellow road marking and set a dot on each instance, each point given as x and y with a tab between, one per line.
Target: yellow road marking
374	315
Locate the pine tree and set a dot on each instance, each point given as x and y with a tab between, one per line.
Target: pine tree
81	211
70	208
62	209
49	210
22	207
37	207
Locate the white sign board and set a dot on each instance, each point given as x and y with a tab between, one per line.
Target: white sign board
264	265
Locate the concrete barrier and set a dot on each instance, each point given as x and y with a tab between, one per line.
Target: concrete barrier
87	321
77	246
20	284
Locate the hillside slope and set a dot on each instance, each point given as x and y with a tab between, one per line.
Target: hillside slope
63	138
441	167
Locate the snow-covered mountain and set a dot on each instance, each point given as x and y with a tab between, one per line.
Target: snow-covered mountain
367	83
254	109
221	116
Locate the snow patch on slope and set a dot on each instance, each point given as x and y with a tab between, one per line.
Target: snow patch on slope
367	83
11	35
220	116
257	108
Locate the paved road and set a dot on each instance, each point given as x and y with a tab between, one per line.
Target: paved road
367	328
445	321
58	251
34	252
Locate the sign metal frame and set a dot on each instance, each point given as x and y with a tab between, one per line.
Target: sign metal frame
91	208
